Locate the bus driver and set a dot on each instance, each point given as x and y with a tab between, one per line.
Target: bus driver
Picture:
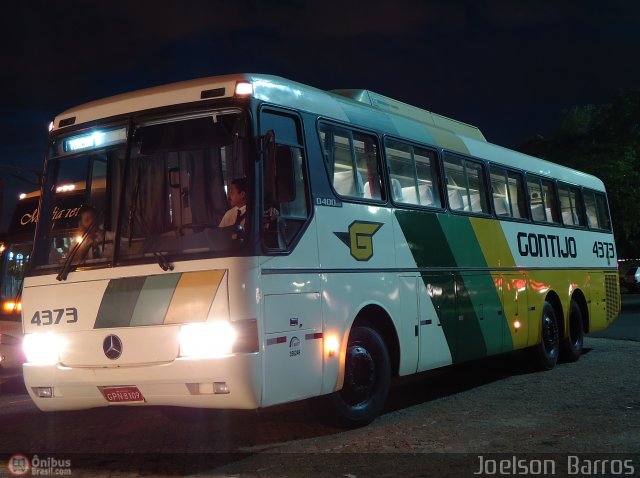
237	195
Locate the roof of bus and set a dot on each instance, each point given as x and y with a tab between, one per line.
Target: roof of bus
360	107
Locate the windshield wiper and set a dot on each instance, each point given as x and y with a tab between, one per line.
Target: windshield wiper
66	267
163	262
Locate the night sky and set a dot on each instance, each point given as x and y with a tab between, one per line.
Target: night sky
509	67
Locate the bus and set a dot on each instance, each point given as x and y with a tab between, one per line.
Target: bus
379	240
13	260
15	251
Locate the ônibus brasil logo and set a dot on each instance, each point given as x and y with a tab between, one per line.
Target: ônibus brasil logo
19	465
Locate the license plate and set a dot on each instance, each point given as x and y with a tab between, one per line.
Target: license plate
122	394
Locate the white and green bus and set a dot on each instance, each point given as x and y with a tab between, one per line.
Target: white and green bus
379	240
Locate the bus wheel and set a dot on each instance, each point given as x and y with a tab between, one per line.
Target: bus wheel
547	349
367	375
571	346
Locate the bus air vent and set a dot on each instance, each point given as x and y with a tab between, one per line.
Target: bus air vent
214	93
389	105
67	122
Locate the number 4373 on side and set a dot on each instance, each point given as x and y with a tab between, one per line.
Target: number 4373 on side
55	316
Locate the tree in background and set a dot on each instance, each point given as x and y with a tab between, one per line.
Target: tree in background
603	141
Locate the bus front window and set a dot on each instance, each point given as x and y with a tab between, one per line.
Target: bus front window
158	198
82	172
176	186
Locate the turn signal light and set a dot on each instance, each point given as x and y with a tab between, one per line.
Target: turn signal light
331	345
12	306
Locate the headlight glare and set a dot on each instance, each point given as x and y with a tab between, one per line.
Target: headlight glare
212	339
43	348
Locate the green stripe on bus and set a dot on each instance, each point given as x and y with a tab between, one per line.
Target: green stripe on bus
154	299
119	302
476	326
479	298
425	238
462	241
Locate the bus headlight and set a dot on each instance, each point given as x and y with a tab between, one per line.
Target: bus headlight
43	348
212	339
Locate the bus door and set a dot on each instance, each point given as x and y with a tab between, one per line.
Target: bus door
478	320
436	311
439	300
293	332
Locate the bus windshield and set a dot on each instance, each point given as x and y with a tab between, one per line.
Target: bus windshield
150	194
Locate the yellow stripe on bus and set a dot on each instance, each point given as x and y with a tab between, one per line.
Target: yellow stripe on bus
193	296
492	242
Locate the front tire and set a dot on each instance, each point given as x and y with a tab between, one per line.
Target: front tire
571	346
546	352
367	375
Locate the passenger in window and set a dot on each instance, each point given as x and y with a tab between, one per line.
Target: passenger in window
91	237
237	195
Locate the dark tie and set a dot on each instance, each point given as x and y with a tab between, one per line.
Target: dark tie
238	217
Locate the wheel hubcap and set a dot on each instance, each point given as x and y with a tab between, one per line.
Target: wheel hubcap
359	377
549	335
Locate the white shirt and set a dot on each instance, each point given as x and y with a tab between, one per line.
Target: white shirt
230	217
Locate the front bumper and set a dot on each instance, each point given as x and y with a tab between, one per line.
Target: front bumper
176	383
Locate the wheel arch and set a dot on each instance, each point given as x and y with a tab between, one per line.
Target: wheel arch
377	318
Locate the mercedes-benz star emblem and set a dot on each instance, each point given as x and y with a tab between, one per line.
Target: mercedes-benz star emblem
112	346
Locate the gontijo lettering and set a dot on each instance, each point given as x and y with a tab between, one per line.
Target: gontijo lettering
546	245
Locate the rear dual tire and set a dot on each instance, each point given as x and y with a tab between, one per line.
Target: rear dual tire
571	346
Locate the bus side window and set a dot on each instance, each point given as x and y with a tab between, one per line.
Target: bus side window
571	206
428	177
535	200
550	201
402	172
566	210
590	209
517	195
413	174
577	203
466	188
500	191
353	162
540	201
603	212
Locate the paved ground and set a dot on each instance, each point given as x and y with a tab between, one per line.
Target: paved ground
436	424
